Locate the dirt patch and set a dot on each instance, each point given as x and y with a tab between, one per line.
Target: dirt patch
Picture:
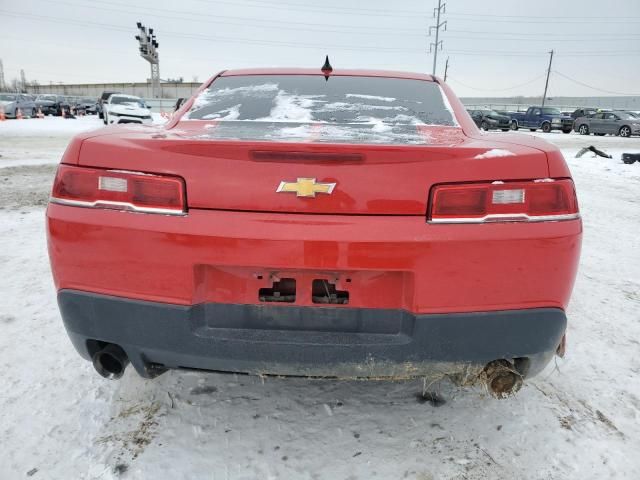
25	186
135	428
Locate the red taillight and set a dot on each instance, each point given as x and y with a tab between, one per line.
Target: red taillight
117	189
537	200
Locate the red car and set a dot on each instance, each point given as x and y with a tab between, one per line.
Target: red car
300	222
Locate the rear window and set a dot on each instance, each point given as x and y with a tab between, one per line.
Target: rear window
361	109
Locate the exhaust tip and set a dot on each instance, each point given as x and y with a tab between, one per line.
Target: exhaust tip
502	379
111	361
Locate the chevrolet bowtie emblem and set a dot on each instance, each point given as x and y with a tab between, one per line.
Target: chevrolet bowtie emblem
306	187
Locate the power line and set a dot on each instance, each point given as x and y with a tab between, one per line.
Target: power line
555	22
244	21
217	38
455	80
343	10
600	19
541	54
588	35
592	87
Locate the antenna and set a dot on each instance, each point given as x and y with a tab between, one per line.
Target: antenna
326	68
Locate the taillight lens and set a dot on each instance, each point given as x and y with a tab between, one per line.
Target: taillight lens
117	189
539	200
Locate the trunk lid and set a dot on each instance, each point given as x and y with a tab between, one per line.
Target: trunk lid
368	178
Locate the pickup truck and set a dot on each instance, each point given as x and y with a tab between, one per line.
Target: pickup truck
544	118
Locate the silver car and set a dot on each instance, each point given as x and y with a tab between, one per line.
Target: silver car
11	102
613	123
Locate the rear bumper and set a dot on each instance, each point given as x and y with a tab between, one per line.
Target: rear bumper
309	341
393	262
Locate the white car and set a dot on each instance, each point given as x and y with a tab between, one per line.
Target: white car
125	109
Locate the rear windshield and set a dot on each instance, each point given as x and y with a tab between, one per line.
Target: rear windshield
551	111
360	109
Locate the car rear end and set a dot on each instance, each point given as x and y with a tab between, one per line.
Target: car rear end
288	224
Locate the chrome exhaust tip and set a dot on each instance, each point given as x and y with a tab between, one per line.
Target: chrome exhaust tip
111	361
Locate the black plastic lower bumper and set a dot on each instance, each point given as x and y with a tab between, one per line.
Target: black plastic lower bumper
309	341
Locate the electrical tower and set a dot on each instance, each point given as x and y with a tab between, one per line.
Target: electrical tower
149	51
433	47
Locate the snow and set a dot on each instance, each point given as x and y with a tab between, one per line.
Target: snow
579	419
39	141
291	108
493	153
370	97
231	113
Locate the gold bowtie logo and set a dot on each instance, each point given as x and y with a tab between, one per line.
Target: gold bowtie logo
306	187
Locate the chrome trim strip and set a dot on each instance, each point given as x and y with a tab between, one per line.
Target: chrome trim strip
126	206
505	217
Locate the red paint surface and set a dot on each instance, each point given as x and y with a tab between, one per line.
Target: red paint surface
372	230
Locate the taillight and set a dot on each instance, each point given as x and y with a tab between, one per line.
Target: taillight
117	189
538	200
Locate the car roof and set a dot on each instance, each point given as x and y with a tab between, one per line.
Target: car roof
334	73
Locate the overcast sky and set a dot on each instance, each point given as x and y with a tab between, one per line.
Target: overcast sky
496	48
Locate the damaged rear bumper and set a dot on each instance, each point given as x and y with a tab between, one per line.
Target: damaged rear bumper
309	341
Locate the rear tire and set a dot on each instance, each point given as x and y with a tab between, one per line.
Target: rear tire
625	131
533	129
583	130
34	112
567	130
514	125
546	127
104	119
505	129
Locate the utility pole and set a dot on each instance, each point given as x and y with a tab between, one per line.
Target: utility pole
437	12
149	51
23	81
446	70
546	85
1	76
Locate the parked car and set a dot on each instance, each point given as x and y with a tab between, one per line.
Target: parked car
86	105
490	120
12	102
542	118
103	98
584	112
121	108
52	104
270	234
612	123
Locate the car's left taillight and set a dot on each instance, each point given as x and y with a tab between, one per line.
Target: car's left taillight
119	189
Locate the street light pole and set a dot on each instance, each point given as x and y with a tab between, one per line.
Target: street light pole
149	51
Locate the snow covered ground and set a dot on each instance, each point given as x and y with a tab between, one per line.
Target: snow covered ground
580	419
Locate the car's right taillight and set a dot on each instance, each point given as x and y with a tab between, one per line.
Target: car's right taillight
531	201
120	190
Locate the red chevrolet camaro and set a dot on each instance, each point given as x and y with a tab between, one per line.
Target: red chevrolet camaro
316	223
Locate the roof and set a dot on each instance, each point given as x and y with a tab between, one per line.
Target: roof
334	73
